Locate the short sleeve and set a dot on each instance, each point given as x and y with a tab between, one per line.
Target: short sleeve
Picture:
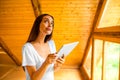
27	56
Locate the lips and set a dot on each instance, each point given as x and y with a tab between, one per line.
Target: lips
49	29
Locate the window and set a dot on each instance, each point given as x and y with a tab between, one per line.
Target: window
112	53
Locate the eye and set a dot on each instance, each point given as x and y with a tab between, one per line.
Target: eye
46	21
52	24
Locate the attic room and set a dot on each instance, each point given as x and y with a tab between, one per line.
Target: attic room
94	23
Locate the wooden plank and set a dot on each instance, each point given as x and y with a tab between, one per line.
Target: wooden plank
84	73
7	65
8	51
2	51
108	29
119	66
86	51
92	60
102	11
103	61
108	37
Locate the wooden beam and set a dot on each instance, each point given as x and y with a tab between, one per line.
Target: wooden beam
108	29
119	66
7	65
36	7
84	73
108	36
92	60
2	51
8	51
103	61
103	7
96	21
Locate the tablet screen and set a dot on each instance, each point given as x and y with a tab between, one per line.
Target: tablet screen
67	48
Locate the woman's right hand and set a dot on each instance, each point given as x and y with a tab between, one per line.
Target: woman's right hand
51	58
38	74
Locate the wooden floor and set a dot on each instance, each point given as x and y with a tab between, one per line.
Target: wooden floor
68	74
17	73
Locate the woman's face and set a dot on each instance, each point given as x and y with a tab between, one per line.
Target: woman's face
46	25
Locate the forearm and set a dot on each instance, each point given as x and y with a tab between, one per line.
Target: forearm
38	74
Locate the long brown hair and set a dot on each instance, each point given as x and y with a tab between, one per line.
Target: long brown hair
35	29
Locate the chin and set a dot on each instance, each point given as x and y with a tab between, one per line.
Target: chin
48	33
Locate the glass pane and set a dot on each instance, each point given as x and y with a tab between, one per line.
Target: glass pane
98	59
87	63
111	15
112	52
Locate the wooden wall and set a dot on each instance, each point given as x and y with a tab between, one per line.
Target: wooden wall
73	22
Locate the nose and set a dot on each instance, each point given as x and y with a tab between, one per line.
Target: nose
50	24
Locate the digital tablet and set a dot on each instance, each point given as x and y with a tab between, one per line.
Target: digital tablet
66	49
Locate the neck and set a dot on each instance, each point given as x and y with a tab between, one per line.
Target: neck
40	39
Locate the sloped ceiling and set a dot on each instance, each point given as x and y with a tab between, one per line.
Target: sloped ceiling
73	22
16	18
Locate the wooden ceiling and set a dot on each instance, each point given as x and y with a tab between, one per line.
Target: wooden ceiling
74	21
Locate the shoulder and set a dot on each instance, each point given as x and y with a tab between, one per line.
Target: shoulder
26	46
27	49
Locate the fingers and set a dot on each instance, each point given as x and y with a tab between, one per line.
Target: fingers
51	58
60	60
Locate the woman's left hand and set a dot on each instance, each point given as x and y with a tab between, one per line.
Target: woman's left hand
59	62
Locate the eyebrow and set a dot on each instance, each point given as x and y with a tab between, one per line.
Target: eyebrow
45	18
48	19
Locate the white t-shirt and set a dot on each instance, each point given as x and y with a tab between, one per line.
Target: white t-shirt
30	57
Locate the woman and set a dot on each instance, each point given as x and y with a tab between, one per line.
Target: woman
39	53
